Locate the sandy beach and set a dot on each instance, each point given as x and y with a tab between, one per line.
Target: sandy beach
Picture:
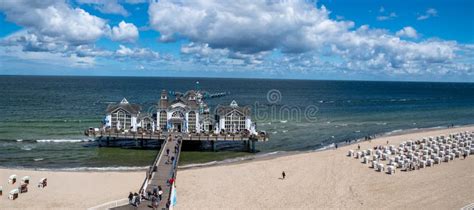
326	179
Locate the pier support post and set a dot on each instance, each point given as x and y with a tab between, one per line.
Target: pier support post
100	141
141	143
213	145
108	141
253	146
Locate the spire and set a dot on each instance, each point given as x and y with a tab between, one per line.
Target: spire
124	101
233	104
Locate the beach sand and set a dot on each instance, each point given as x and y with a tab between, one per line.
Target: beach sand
69	190
326	179
329	179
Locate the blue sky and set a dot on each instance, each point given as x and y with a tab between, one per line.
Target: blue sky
326	39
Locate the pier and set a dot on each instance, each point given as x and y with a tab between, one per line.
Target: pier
162	170
187	118
143	139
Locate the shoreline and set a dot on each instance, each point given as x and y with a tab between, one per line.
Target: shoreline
329	175
242	159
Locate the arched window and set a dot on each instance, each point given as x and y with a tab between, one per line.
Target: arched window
163	119
234	121
121	120
177	114
192	120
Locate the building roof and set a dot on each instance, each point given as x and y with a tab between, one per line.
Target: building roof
223	110
128	107
190	104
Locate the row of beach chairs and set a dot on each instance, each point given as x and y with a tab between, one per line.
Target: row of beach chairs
23	188
410	155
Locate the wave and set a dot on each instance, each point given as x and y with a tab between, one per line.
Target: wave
118	168
326	147
233	160
38	159
63	140
26	148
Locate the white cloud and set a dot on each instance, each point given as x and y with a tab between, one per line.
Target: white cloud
390	16
135	1
58	21
431	12
136	53
106	6
252	26
124	32
55	19
407	31
382	9
251	30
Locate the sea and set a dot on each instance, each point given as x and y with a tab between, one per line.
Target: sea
43	118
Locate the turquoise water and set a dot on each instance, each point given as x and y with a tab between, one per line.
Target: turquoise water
42	119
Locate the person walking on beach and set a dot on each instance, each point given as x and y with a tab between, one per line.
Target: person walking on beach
167	152
130	197
283	175
464	155
160	192
154	203
358	147
336	145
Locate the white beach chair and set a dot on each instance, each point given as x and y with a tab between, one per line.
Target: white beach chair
447	158
451	156
422	163
350	153
43	182
374	164
380	167
365	160
390	169
437	160
25	179
12	179
13	194
430	162
369	152
457	154
391	160
375	157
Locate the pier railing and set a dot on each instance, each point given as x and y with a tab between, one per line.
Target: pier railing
151	170
110	204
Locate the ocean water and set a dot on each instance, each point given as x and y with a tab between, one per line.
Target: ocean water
42	119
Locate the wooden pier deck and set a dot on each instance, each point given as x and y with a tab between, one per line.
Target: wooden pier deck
162	171
185	136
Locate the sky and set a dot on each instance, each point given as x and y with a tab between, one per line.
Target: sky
416	40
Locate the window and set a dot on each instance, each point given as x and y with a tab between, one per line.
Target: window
121	120
163	119
192	120
234	121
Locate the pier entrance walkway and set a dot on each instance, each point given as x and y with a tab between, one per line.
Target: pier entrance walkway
159	175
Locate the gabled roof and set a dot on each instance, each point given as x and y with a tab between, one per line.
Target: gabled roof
124	105
224	110
187	103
